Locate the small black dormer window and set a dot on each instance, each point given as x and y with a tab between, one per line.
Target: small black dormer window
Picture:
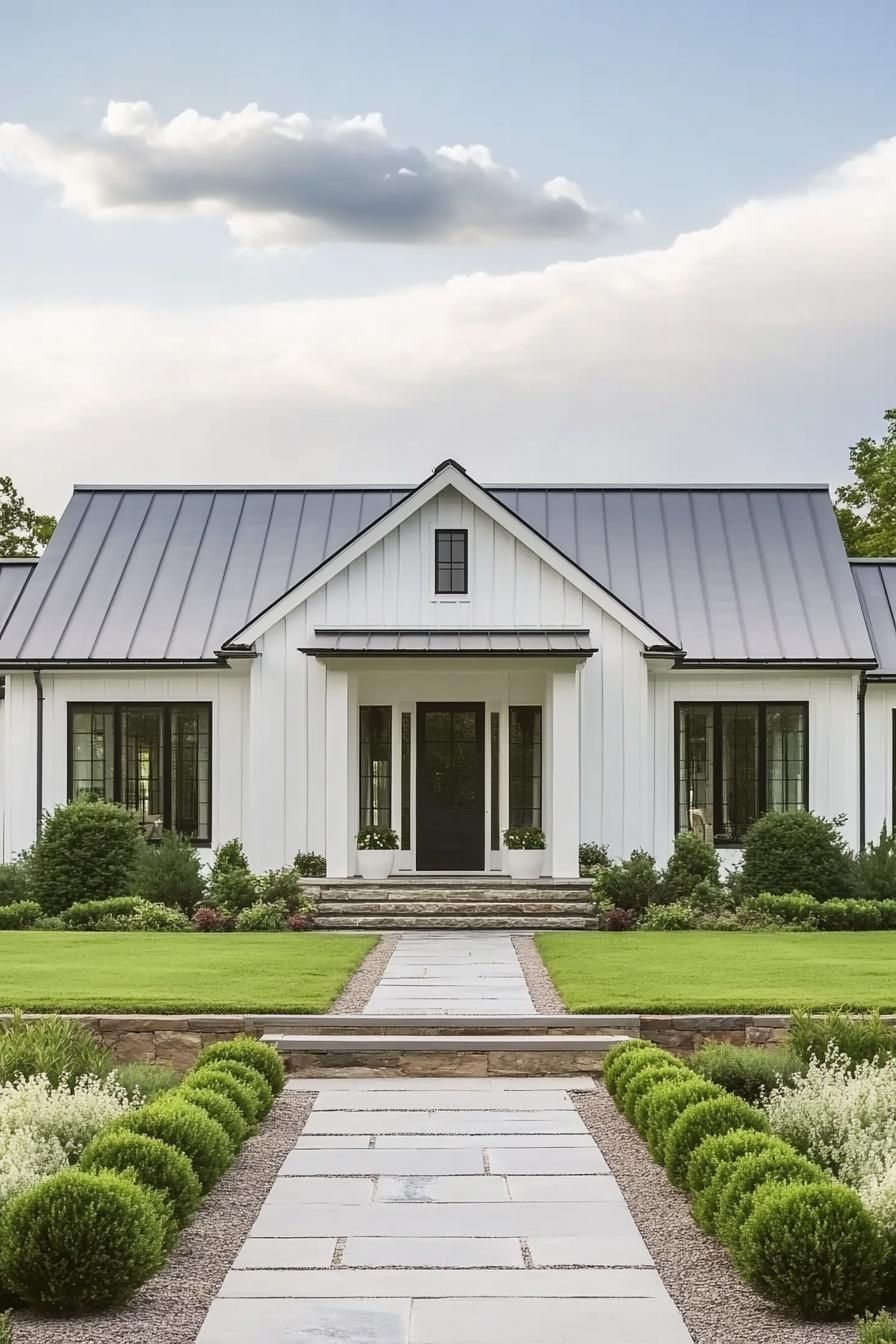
451	560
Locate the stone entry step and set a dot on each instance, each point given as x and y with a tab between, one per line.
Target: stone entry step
446	903
482	1056
452	921
464	905
392	1024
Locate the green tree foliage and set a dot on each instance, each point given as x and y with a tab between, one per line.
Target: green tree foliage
23	532
866	507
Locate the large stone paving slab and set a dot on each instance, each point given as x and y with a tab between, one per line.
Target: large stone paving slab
510	1219
250	1321
383	1162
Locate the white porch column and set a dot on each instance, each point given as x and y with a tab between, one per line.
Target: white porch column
565	749
340	857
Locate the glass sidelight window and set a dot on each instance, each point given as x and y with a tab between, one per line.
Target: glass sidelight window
155	760
525	765
736	761
376	765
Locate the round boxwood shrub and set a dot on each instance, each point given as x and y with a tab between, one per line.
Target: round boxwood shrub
795	851
717	1115
616	1057
86	851
174	1120
246	1050
665	1104
712	1163
645	1080
80	1241
632	1064
220	1108
250	1078
812	1249
218	1079
154	1163
748	1176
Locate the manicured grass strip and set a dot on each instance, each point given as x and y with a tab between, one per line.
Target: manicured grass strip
177	972
721	972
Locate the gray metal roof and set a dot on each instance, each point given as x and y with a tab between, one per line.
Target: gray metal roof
153	574
14	575
452	643
876	584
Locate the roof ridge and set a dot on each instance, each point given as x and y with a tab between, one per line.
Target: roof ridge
248	487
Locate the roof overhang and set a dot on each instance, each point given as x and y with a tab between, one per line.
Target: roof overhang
564	642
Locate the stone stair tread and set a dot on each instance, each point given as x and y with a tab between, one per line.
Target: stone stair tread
410	922
456	907
321	1044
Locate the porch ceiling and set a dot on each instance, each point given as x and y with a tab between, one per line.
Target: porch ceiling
468	643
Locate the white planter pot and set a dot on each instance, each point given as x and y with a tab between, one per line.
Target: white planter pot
375	864
524	864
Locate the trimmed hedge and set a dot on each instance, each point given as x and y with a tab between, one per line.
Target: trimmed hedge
813	1249
80	1241
698	1122
638	1065
153	1162
714	1162
174	1120
250	1078
219	1108
661	1108
84	916
617	1057
212	1076
748	1177
644	1082
247	1050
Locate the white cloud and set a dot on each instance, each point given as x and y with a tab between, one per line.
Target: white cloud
759	347
288	180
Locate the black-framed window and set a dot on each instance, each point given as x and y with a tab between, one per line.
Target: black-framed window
525	765
735	761
405	780
375	740
451	560
495	755
153	759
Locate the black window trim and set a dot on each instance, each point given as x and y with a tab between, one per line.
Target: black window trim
451	532
762	780
115	707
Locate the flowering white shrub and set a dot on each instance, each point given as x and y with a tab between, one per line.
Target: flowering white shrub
71	1113
27	1158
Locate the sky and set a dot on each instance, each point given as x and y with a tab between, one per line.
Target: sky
302	241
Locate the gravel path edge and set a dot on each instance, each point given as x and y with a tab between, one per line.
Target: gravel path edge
355	996
540	985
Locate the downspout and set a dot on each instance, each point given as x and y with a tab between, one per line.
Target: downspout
863	687
39	792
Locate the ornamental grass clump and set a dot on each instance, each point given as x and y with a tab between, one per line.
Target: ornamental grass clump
812	1249
747	1071
54	1046
81	1241
859	1037
152	1162
717	1115
247	1050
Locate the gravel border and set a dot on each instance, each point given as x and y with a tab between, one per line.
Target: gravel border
170	1308
717	1306
540	984
354	997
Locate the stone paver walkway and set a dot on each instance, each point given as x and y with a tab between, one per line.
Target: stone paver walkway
452	975
445	1210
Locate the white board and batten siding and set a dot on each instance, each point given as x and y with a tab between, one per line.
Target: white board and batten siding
880	706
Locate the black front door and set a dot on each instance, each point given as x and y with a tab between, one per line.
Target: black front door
451	787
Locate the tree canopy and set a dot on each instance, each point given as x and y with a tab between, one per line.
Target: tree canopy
23	531
866	507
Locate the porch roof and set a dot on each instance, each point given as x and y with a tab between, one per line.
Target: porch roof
468	643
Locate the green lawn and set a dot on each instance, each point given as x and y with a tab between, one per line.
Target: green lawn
177	973
721	972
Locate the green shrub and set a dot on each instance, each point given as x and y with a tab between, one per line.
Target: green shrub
310	864
795	851
812	1249
633	884
615	1058
49	924
746	1070
879	1329
793	908
84	916
246	1050
220	1108
717	1115
859	1038
146	1081
231	885
660	1110
174	1120
712	1163
218	1079
80	1241
693	862
849	915
592	856
250	1078
260	917
5	1328
644	1080
631	1065
20	915
781	1165
887	914
13	883
52	1045
150	917
153	1162
86	851
874	869
709	898
282	887
170	873
668	918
